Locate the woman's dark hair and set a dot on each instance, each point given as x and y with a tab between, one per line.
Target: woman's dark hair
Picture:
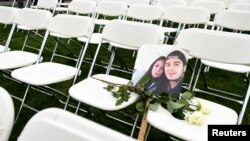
159	88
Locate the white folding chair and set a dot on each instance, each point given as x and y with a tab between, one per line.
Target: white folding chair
213	6
132	2
145	13
130	35
107	10
7	114
240	6
210	47
56	124
7	15
82	7
27	20
46	73
185	17
182	130
228	2
46	4
236	20
167	3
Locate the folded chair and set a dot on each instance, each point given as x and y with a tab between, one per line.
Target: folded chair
7	15
210	47
46	73
7	114
55	124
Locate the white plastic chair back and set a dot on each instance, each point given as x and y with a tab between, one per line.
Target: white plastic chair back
7	114
233	19
187	15
33	18
145	12
111	8
239	6
167	3
132	2
71	25
82	6
213	6
47	4
132	34
228	2
7	14
210	45
55	124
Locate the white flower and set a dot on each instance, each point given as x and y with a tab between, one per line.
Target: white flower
204	108
197	118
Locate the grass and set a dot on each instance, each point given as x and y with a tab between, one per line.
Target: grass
40	101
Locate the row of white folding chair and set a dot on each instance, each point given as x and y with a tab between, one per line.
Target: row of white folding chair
7	114
213	6
56	124
7	15
46	73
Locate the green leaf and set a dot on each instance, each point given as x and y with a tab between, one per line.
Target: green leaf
140	106
175	105
109	87
188	95
154	106
119	102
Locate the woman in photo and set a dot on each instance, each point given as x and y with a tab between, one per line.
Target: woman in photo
156	74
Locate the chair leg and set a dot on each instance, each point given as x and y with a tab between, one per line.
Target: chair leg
22	103
111	61
244	106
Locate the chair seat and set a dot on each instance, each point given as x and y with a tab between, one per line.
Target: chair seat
123	46
16	59
2	48
44	73
95	38
91	92
164	121
58	35
101	21
230	67
24	27
169	29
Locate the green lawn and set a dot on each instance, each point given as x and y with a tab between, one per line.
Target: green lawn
233	82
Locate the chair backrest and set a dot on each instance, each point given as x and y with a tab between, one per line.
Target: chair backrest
7	14
56	124
212	45
82	6
7	114
240	6
71	26
167	3
233	19
33	18
47	4
213	6
111	8
187	15
228	2
132	2
132	34
145	12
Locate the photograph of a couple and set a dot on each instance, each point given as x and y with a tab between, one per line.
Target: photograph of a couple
166	74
